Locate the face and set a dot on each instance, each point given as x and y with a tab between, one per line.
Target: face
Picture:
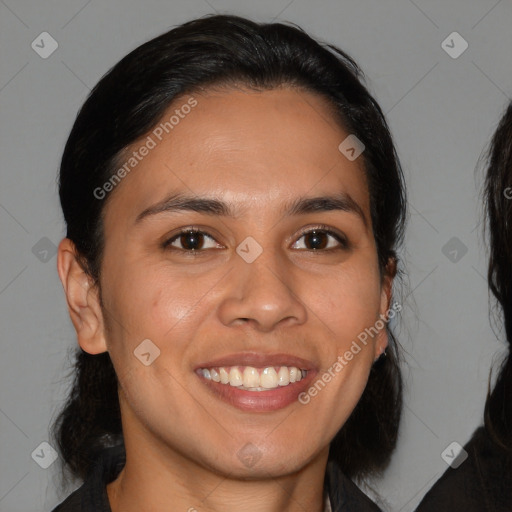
258	289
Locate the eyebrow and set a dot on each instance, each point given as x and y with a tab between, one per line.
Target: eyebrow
213	206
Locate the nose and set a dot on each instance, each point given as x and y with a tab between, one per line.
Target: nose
264	293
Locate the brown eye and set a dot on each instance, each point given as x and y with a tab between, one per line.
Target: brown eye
190	240
317	239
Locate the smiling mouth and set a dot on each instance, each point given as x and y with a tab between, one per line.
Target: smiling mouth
250	378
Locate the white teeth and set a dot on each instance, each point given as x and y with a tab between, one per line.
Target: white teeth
251	377
254	379
235	377
283	376
268	378
224	376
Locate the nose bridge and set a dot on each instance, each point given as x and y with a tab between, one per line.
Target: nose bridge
263	290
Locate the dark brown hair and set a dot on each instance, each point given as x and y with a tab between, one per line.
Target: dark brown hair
498	206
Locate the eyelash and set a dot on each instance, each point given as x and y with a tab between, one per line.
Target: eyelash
344	244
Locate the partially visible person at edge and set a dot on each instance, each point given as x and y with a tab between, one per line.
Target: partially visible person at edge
483	482
233	202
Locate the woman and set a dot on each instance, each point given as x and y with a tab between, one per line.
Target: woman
233	202
484	480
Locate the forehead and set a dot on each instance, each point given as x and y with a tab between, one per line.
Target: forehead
252	148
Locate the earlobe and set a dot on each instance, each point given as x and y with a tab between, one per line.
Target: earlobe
381	343
82	299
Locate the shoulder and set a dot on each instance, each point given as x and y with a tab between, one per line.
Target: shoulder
73	503
482	482
92	495
344	494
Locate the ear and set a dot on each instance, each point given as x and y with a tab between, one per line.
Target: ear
83	299
382	338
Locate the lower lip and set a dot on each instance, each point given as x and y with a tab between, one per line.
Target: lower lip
259	401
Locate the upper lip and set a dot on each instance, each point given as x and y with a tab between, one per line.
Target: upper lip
256	359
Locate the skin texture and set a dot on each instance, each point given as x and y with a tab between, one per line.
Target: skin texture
257	151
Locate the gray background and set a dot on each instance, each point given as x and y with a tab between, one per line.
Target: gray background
442	112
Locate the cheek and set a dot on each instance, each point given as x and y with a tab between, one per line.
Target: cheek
167	310
155	318
351	302
149	302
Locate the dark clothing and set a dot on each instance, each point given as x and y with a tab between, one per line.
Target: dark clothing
482	483
92	496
